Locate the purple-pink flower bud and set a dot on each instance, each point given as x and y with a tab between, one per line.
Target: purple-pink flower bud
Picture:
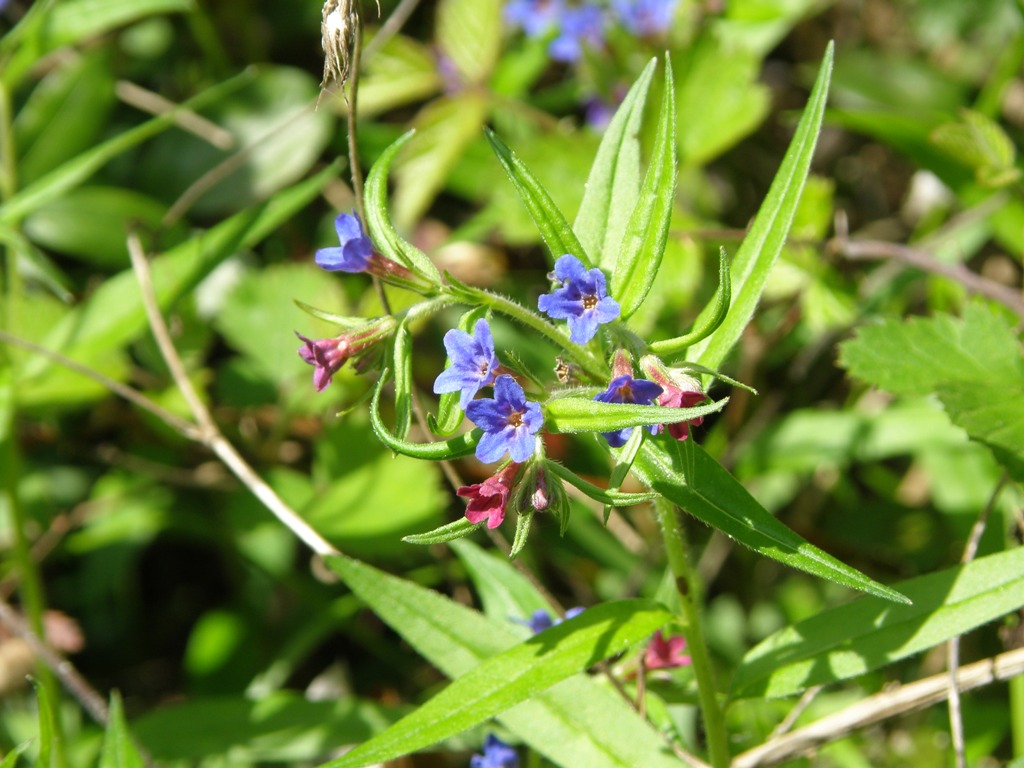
680	391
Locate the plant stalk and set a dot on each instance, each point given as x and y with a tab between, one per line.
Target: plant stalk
688	586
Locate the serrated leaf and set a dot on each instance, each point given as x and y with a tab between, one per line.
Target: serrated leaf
684	474
551	223
577	414
469	34
439	451
487	686
767	235
869	633
118	749
444	128
378	219
974	365
613	185
643	243
977	141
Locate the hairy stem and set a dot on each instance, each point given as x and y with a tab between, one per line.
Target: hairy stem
689	590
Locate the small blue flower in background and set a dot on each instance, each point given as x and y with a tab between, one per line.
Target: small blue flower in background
581	299
508	420
534	17
474	363
626	389
355	251
580	25
645	18
497	754
540	619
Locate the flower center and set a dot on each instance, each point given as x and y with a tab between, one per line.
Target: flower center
589	302
483	368
515	419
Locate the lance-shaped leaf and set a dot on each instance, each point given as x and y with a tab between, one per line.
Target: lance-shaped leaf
77	170
511	677
402	349
643	243
684	474
118	749
551	223
614	498
378	220
613	185
869	633
440	451
575	723
448	532
708	320
767	235
577	414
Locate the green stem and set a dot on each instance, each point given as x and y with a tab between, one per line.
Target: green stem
591	365
30	584
1017	715
689	597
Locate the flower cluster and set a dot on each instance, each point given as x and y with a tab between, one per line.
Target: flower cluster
573	26
328	356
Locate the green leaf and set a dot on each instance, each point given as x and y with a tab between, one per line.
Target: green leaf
281	727
613	185
118	749
577	414
980	143
74	172
402	360
684	474
708	321
439	451
974	365
11	758
612	498
469	34
444	128
767	235
643	242
869	633
69	22
401	72
114	314
523	522
719	97
502	681
552	225
504	592
90	223
378	220
49	747
447	532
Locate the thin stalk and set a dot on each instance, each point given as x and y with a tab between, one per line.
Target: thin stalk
30	586
689	590
1017	716
593	367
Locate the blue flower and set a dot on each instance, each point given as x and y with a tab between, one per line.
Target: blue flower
497	754
540	619
474	363
626	389
509	422
535	17
645	18
354	253
581	299
578	25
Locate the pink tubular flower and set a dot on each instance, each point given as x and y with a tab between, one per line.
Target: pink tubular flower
488	500
329	355
679	391
665	653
